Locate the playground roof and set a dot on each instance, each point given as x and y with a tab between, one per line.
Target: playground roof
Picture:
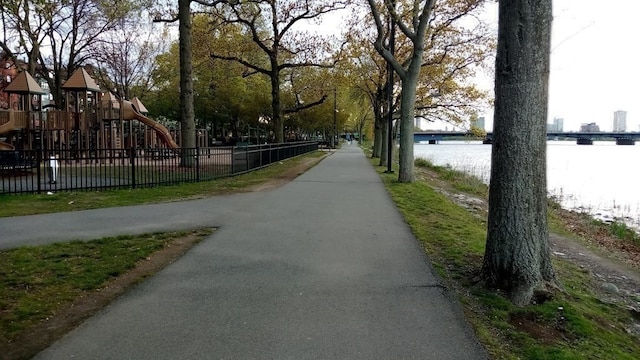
109	97
24	84
139	105
80	80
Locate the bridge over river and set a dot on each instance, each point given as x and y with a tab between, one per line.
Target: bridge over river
582	138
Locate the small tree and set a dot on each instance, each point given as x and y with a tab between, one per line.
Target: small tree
275	27
437	49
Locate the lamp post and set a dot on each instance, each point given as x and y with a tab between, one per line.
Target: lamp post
335	116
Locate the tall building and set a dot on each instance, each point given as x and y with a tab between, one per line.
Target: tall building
619	121
558	124
420	123
478	123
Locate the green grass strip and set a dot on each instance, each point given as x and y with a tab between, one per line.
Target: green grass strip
572	325
37	281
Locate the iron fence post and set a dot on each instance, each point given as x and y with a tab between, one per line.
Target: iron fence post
197	164
233	160
39	170
132	157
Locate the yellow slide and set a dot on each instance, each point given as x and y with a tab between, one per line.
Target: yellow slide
130	113
5	128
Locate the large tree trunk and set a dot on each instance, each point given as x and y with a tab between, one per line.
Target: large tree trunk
384	143
407	115
377	135
187	115
379	124
517	256
278	123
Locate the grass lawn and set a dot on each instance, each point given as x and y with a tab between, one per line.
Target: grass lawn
38	282
45	291
30	204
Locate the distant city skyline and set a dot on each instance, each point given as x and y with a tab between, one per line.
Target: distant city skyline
593	71
556	126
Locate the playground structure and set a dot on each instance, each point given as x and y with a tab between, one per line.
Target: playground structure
90	121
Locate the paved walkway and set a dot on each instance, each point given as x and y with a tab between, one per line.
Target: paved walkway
321	268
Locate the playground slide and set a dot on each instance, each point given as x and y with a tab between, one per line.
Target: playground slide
5	128
162	131
5	146
130	113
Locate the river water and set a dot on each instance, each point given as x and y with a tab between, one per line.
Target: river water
601	179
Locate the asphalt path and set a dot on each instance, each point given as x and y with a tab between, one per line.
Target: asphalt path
321	268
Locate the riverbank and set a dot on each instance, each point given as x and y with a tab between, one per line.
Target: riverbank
595	317
597	179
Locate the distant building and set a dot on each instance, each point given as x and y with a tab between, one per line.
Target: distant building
558	123
477	123
556	126
590	127
619	121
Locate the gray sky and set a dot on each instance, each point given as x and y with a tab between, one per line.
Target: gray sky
594	63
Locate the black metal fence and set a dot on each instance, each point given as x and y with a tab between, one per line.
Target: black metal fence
36	171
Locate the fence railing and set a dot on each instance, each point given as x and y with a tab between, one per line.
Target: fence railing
36	171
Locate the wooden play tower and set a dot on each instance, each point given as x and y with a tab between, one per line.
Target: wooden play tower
21	121
89	121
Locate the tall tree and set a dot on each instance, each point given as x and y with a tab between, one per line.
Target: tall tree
369	73
127	58
370	79
437	51
225	96
412	19
275	26
517	256
24	31
68	30
224	99
187	112
73	28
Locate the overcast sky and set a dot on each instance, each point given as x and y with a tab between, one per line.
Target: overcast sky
594	63
595	67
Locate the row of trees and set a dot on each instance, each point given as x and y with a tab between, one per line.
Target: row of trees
54	38
242	64
517	258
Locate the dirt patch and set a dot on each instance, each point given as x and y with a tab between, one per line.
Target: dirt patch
614	265
67	318
546	332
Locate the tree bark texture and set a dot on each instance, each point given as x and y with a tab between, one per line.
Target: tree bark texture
407	116
384	135
517	258
379	124
377	137
187	115
278	123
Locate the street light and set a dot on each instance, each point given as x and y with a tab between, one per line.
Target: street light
335	116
